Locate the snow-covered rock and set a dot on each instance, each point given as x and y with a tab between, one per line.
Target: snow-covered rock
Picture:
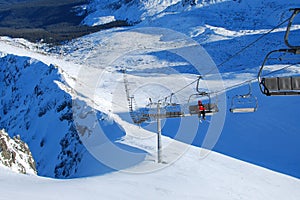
33	106
36	102
15	154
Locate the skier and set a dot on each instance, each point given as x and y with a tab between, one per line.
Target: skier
201	109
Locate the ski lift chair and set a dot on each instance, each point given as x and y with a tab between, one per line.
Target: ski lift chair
140	116
245	103
173	110
210	108
280	85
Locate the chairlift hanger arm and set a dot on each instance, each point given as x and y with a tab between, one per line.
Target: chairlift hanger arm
198	83
264	62
293	51
296	11
249	94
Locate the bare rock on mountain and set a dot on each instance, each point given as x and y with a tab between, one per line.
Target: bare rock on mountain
15	154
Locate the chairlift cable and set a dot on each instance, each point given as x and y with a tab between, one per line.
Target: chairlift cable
231	57
228	59
251	44
251	80
166	97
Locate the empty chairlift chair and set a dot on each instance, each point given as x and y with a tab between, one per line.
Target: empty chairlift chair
173	110
245	103
138	115
280	85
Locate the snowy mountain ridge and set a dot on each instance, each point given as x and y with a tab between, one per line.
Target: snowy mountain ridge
136	11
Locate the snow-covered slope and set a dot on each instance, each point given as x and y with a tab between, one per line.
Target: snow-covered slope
215	177
36	108
88	70
225	25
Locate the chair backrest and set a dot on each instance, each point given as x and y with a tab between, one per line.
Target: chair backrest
211	107
174	114
296	83
194	109
271	84
281	85
285	83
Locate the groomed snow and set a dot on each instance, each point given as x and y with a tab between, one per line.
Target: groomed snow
191	177
214	177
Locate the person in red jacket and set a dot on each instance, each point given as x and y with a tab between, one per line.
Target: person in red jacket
201	109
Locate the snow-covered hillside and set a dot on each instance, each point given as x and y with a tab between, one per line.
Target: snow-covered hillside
36	108
225	25
215	177
69	104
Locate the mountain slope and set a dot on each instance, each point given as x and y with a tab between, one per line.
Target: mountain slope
215	177
225	25
97	85
36	108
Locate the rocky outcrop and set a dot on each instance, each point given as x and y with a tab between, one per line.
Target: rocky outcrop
15	154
